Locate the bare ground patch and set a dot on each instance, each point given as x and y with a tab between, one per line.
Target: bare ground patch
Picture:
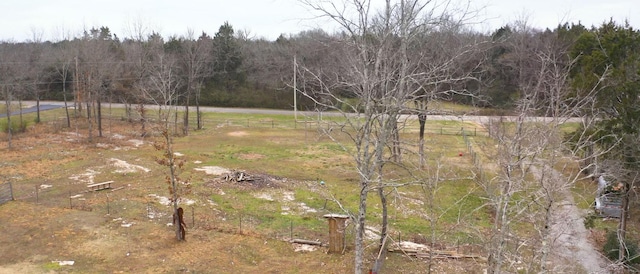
250	156
238	133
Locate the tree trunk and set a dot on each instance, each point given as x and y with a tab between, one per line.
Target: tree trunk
99	116
185	129
500	228
382	254
397	152
143	120
546	241
622	226
89	122
360	222
198	114
127	110
64	97
422	118
20	121
7	100
37	108
174	185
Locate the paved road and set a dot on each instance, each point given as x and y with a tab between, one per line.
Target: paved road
33	108
463	118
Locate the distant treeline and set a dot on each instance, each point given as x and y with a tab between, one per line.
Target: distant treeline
231	69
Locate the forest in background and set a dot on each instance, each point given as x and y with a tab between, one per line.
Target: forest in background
232	69
379	67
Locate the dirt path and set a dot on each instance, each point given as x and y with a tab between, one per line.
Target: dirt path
571	241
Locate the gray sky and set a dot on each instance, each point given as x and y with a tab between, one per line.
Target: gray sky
19	19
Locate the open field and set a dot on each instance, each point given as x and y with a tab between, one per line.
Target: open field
231	227
297	176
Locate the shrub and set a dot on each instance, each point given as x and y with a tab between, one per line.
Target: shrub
348	104
611	249
590	220
16	126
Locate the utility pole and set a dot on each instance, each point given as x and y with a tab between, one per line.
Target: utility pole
295	89
76	82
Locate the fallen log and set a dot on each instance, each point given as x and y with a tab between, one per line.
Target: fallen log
306	242
436	254
449	256
117	188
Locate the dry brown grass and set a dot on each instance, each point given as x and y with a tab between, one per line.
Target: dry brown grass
57	228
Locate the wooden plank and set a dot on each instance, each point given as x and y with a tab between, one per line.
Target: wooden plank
101	184
306	242
118	188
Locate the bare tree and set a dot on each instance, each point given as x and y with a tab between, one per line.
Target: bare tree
96	68
34	68
195	61
62	57
527	190
9	80
378	67
161	86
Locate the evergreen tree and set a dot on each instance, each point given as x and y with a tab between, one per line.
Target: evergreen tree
227	59
609	60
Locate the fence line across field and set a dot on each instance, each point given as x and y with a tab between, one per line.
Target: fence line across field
405	126
6	192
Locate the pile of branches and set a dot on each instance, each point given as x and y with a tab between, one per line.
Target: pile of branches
237	176
423	251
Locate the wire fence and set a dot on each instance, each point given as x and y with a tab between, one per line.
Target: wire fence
126	209
318	120
124	206
6	192
475	158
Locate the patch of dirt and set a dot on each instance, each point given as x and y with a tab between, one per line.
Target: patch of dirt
213	170
238	133
21	267
264	196
136	142
250	156
167	202
304	248
120	167
124	167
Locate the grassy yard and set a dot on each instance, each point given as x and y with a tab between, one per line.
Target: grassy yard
247	224
299	175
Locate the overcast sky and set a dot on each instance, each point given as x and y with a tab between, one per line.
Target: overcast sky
19	19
